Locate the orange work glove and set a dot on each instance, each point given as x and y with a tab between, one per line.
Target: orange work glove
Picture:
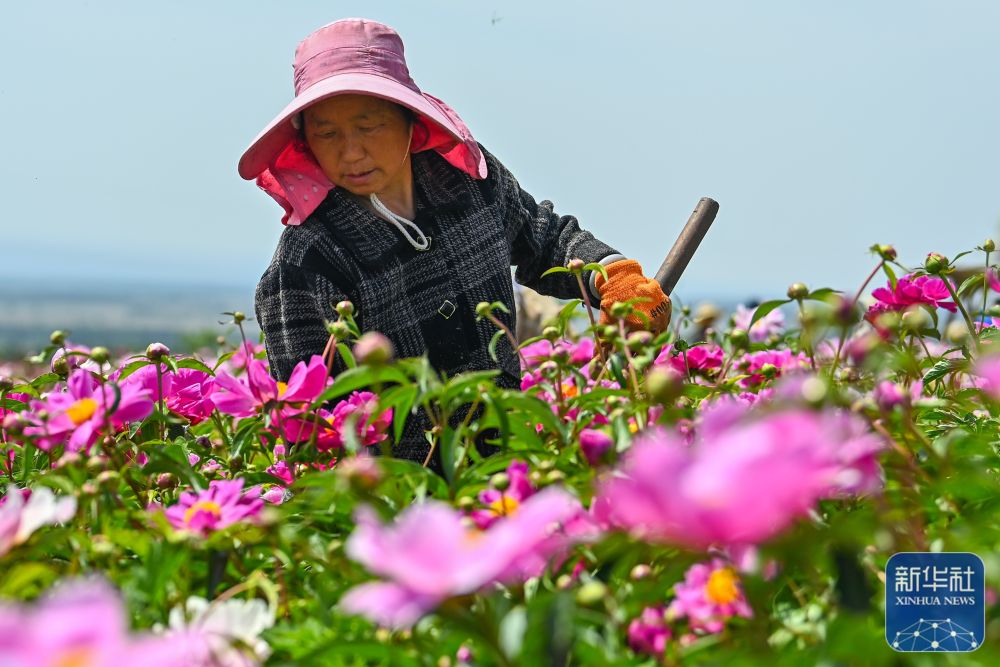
625	281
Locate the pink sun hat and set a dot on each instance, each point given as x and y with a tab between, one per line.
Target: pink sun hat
349	56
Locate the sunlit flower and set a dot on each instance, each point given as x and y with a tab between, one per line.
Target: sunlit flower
222	504
753	363
222	633
710	594
697	358
85	407
740	482
22	512
504	503
910	291
253	392
429	554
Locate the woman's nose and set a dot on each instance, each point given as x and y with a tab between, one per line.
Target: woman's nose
353	149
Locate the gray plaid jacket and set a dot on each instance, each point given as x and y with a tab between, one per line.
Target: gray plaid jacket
424	302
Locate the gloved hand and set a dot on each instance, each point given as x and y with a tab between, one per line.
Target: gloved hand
626	281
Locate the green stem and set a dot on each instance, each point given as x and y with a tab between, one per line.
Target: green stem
962	309
593	321
986	288
854	301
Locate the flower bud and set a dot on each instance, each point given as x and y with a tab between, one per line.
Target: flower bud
100	354
13	423
989	245
88	489
609	331
640	571
546	465
550	334
239	317
96	463
60	366
685	310
220	340
108	477
466	503
739	338
638	340
619	310
345	308
768	370
935	263
6	384
705	314
663	385
500	481
483	309
235	462
339	330
797	291
548	368
591	593
58	337
374	349
886	252
575	265
166	480
564	582
956	332
69	459
915	319
203	441
157	351
555	477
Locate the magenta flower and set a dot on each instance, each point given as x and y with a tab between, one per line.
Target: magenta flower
987	370
710	594
889	395
649	632
910	291
699	358
541	351
78	624
244	353
739	483
428	554
784	361
361	407
77	414
594	444
504	503
772	324
250	394
190	394
222	504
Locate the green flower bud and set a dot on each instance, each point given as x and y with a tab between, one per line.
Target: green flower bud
640	572
60	366
550	334
339	330
619	310
886	252
739	338
235	463
345	308
638	340
483	309
663	385
466	503
989	245
374	349
768	370
58	337
555	477
935	263
915	319
575	265
100	354
564	582
239	317
797	291
591	593
500	481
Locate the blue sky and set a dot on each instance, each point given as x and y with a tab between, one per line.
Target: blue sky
820	127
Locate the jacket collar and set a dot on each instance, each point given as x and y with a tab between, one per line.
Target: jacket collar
437	186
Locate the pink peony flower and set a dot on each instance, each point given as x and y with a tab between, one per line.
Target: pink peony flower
429	555
910	291
783	360
77	414
22	512
244	353
221	505
190	394
250	394
504	503
889	395
772	324
710	594
79	623
360	407
649	633
580	352
987	370
740	482
696	359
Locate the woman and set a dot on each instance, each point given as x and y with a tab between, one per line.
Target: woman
391	204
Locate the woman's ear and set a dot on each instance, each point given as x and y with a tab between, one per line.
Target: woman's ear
420	135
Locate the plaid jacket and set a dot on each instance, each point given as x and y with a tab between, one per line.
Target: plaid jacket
424	302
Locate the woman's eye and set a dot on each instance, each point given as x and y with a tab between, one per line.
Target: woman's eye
370	128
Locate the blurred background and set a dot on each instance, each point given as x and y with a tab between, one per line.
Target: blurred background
821	128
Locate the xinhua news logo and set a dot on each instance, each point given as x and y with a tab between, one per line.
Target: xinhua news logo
935	602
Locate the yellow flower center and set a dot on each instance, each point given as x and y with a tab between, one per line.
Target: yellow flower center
82	410
505	506
203	506
722	586
75	657
633	426
282	388
569	390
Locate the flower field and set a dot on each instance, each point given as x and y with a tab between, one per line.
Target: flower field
727	492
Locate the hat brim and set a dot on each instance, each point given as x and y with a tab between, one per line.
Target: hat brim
279	132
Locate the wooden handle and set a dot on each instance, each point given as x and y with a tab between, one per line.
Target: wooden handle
686	244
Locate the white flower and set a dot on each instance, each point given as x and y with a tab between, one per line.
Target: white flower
19	519
230	629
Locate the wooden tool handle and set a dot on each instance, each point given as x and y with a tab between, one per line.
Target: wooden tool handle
686	244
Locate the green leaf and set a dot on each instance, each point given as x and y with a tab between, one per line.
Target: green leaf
132	367
348	355
195	364
765	308
597	266
555	269
890	274
942	368
959	256
970	281
821	294
492	348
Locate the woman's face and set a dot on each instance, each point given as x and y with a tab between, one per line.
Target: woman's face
359	141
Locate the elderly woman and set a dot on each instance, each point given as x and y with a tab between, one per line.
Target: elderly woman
391	204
